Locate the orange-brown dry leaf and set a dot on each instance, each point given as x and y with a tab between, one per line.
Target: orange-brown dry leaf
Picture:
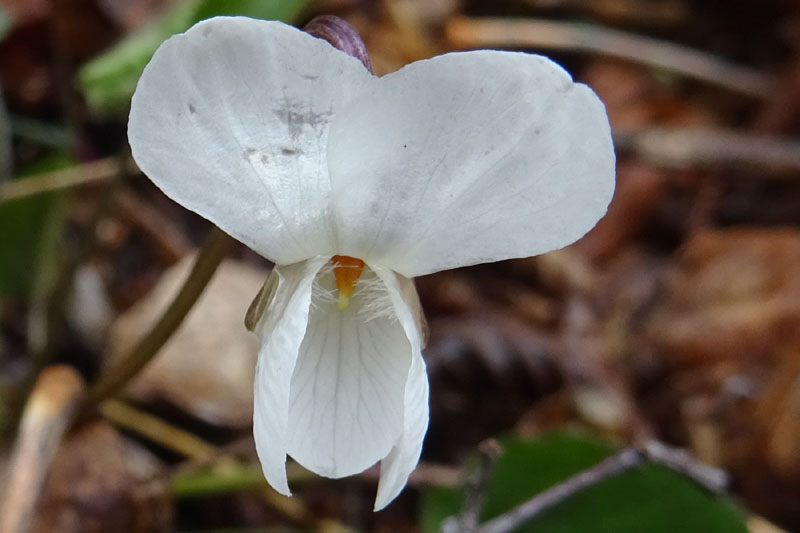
778	408
735	295
728	330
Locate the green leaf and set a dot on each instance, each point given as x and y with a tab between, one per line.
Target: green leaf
650	498
29	232
109	80
285	10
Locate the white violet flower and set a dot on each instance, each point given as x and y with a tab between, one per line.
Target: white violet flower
352	185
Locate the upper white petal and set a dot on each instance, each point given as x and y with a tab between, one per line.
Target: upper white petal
401	461
348	388
231	118
467	158
281	329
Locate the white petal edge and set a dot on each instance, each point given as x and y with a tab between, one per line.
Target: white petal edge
469	158
348	387
230	119
281	329
403	459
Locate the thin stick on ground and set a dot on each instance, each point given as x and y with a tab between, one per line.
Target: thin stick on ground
218	470
712	479
710	148
476	486
174	438
625	460
465	32
46	417
84	174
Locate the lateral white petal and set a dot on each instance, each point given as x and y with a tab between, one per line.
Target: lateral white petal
281	330
347	390
401	461
468	158
231	119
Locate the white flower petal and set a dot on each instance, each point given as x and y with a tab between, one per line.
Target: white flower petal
467	158
348	388
231	118
401	461
281	329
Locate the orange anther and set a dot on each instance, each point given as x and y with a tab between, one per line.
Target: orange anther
347	271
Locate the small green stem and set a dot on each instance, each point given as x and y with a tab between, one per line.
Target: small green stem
208	259
226	478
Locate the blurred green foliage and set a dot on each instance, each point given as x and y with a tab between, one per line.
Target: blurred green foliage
650	498
5	21
29	232
5	129
109	80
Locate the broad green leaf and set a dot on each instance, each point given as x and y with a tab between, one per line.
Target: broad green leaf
650	498
29	231
109	80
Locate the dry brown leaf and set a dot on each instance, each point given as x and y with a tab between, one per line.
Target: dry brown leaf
207	367
735	295
101	482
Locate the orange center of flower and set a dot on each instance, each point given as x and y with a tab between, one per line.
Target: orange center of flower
347	271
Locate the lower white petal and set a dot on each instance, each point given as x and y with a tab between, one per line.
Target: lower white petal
340	390
403	458
281	329
401	461
349	385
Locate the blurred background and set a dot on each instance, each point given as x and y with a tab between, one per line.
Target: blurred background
677	318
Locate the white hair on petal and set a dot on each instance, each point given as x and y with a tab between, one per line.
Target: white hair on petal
320	293
375	299
370	300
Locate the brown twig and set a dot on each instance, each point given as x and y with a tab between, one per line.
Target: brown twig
553	35
758	524
157	430
681	148
87	173
712	479
55	397
202	455
659	13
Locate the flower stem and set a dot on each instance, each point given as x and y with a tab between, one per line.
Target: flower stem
208	259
